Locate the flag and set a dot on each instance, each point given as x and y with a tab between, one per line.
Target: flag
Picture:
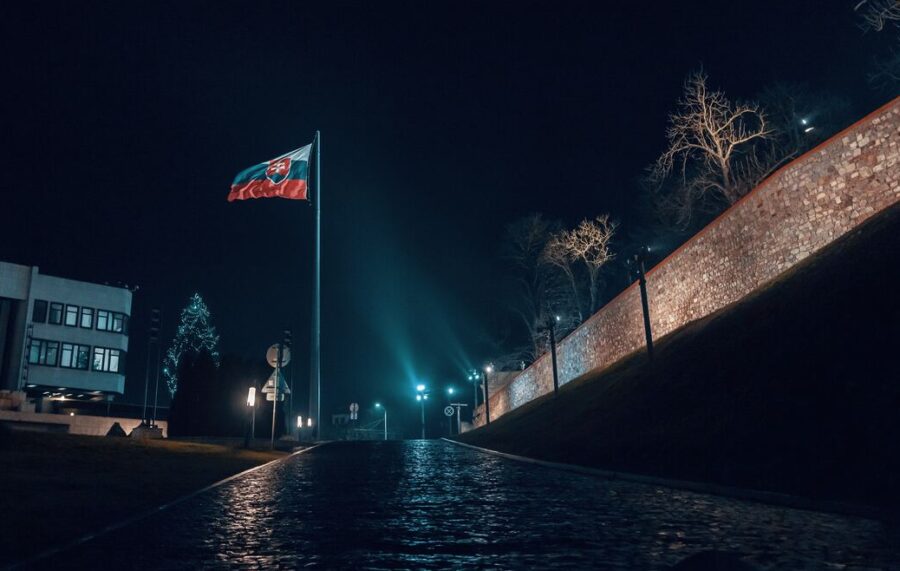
284	177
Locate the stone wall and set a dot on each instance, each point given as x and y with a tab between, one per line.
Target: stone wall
798	210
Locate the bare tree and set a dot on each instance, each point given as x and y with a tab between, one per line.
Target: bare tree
876	14
556	254
711	149
534	290
589	243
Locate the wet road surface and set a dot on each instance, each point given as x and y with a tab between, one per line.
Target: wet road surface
430	504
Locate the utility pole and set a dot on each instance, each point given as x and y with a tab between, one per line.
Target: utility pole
152	337
156	316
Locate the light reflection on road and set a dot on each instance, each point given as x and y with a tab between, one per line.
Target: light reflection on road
429	504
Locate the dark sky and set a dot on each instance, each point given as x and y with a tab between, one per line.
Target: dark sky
441	122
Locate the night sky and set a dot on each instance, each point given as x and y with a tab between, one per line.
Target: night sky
126	122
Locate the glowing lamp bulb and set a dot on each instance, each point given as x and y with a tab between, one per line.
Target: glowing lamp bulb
420	388
418	397
299	421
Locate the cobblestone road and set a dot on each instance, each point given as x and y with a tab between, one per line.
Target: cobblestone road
430	504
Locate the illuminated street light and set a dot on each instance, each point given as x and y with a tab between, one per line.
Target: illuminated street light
378	405
489	368
449	390
251	403
421	397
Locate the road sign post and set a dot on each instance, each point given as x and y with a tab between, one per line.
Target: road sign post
278	356
457	406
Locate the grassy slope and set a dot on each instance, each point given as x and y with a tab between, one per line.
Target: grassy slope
794	389
57	487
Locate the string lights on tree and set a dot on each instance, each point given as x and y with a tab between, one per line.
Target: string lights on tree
195	335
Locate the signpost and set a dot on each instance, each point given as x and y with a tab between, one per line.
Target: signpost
457	406
275	388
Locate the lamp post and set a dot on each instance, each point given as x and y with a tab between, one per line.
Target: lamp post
450	393
638	263
422	396
251	403
553	321
489	368
378	405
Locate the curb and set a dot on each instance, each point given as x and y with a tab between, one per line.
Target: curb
773	498
145	514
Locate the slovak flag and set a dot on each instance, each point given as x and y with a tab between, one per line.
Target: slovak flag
284	177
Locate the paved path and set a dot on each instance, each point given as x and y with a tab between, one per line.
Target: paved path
430	504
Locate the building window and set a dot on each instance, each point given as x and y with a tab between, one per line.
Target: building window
56	313
87	317
108	360
103	321
71	316
40	311
119	322
43	352
74	356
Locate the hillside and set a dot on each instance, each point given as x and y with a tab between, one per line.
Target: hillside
795	389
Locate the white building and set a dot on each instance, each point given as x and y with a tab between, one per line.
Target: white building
61	338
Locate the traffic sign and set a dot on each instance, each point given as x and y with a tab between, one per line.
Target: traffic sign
283	387
272	355
354	410
449	411
271	396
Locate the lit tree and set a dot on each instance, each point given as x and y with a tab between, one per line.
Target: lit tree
195	335
711	149
881	16
589	243
557	254
876	14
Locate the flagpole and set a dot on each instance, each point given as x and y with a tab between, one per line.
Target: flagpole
315	366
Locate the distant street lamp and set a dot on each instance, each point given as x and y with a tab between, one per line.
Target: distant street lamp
450	392
421	397
378	405
638	263
489	368
251	403
475	379
553	321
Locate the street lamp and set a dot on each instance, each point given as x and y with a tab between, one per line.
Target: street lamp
638	263
378	405
251	403
553	323
421	397
489	368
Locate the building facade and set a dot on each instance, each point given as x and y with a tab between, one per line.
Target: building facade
61	338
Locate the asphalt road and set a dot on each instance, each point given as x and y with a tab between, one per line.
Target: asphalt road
430	504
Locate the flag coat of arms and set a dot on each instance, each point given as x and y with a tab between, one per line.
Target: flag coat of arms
284	177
